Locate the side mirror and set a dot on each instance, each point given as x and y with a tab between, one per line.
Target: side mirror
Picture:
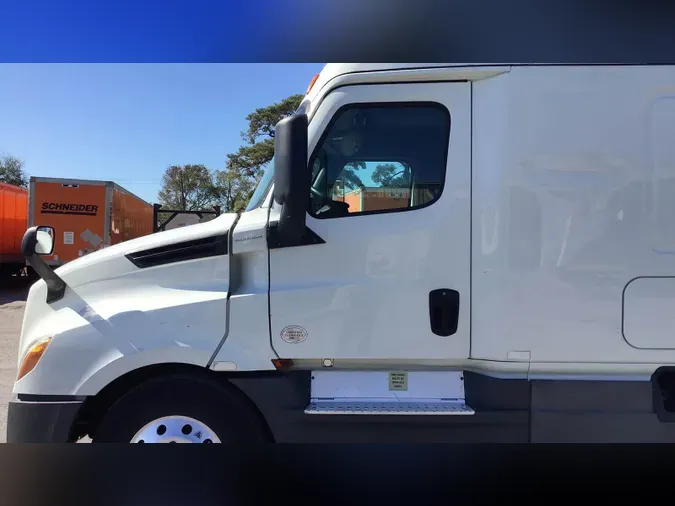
37	241
44	244
292	179
40	241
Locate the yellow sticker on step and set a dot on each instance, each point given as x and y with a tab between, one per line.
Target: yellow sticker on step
398	381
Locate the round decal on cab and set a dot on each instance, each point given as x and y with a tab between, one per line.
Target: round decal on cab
293	334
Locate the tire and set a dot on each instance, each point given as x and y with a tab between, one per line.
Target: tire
204	406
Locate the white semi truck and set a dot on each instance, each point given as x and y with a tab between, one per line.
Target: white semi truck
438	253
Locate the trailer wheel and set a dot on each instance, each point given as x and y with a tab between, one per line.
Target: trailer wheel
180	409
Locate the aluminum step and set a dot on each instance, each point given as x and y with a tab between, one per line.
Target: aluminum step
359	407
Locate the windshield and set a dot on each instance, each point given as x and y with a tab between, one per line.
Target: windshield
261	190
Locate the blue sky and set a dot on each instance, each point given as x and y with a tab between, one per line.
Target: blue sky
128	122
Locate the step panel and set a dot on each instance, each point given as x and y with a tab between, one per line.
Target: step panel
357	407
361	385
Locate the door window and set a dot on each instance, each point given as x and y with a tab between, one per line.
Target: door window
380	158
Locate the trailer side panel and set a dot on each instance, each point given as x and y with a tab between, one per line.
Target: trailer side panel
13	222
131	216
77	213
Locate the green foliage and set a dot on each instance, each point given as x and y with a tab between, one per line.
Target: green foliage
194	188
390	176
244	168
11	171
348	179
387	175
262	121
187	188
234	189
250	160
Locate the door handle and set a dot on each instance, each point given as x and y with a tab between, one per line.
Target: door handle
444	311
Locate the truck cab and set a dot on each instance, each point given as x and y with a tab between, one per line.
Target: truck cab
406	270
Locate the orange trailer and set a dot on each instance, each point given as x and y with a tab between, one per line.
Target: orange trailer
13	224
86	215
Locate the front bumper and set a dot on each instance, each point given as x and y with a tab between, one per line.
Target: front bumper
41	422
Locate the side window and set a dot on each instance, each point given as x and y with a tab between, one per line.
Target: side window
380	158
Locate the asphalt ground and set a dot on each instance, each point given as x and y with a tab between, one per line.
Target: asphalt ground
12	302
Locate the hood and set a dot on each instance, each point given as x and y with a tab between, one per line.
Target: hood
111	262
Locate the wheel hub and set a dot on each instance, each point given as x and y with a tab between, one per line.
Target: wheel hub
175	429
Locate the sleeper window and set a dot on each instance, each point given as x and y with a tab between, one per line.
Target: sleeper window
380	158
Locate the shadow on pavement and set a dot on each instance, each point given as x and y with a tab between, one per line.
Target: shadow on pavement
14	289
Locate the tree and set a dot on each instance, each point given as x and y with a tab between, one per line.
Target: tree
351	179
234	189
348	180
187	188
244	168
390	176
11	171
262	121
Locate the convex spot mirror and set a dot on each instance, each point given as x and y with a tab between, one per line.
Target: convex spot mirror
44	241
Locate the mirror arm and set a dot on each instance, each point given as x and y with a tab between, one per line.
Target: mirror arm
275	240
56	287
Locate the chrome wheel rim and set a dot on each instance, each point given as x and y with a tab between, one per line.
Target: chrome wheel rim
176	429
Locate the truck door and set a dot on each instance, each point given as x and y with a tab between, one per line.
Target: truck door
391	175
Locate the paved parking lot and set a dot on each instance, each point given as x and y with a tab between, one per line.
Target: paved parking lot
12	302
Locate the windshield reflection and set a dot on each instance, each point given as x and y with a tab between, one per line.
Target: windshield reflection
263	186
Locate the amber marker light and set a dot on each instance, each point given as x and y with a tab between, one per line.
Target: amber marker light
31	359
282	364
311	84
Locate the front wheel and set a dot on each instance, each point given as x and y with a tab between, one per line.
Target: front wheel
179	409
